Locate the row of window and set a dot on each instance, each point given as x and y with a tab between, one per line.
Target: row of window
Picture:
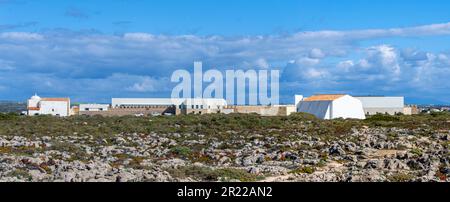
143	106
89	109
163	106
195	107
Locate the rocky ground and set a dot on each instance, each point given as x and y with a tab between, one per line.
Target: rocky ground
363	153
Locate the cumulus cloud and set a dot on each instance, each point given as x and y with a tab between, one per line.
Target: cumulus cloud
425	30
316	53
148	84
313	73
21	36
386	57
138	37
325	61
345	65
6	65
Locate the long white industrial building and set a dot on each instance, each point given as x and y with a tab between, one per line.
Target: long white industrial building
181	103
173	105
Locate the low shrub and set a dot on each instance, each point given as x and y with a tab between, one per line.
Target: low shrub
181	151
208	174
400	177
304	169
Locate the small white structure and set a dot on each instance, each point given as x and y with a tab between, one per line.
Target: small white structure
93	107
382	104
332	106
298	99
48	106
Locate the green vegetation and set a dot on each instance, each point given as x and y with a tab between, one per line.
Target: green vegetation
400	177
20	173
383	117
304	169
8	116
209	174
416	151
211	125
181	151
434	120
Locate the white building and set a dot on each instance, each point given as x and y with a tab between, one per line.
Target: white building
94	107
203	103
331	106
48	106
383	105
179	105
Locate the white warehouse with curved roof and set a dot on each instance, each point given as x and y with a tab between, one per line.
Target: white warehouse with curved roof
331	106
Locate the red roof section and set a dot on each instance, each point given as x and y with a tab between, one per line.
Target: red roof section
56	99
329	97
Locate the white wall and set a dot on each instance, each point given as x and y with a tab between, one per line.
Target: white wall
378	104
347	107
343	107
382	102
60	108
297	100
33	102
320	109
207	103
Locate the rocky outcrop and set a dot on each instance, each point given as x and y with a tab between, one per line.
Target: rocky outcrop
366	154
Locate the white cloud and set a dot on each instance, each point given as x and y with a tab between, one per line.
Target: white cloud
6	65
259	63
425	30
345	65
313	73
385	56
138	37
262	63
364	64
111	62
306	61
21	36
316	53
146	84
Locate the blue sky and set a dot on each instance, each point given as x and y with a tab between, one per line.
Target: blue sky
95	50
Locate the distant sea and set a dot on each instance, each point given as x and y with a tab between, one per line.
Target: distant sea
11	106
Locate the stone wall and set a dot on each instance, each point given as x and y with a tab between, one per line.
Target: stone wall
283	110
